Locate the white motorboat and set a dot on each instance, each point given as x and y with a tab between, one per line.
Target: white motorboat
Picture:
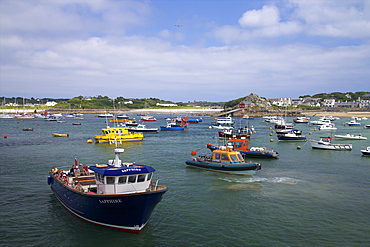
325	143
142	128
6	115
366	151
353	123
225	120
221	126
301	120
106	115
328	127
320	122
351	137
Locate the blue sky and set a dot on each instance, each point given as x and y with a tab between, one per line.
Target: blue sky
190	50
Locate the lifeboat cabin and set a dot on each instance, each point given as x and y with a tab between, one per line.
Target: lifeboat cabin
121	178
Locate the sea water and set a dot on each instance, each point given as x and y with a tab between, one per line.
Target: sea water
305	197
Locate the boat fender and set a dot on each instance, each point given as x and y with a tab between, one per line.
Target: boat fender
50	180
193	153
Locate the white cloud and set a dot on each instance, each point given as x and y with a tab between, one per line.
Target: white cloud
338	19
348	19
137	65
267	16
72	18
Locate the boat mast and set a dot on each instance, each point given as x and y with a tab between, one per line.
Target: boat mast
117	152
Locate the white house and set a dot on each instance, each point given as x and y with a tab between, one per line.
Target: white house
328	102
51	103
282	102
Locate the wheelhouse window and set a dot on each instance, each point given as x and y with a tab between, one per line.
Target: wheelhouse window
224	157
131	179
240	157
149	176
122	180
99	177
238	144
234	157
218	156
141	178
110	180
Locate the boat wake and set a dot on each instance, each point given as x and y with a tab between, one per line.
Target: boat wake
277	180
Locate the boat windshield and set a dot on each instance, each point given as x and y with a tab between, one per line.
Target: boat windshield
234	157
224	157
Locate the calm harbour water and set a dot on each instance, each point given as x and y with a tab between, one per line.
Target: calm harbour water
305	198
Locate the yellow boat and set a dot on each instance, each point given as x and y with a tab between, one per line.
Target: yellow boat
60	135
119	134
122	121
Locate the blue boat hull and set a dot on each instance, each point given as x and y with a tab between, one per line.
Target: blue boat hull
127	212
252	154
285	138
246	168
171	128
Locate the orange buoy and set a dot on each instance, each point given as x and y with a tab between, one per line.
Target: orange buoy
193	153
5	137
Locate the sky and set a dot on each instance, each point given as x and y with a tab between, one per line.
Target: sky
183	50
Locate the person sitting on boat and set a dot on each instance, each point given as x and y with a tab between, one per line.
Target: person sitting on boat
54	170
78	187
76	171
65	179
71	171
85	170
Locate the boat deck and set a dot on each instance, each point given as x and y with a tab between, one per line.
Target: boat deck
88	182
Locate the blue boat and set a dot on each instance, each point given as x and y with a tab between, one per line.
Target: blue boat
51	118
173	126
28	129
353	123
291	136
224	160
116	195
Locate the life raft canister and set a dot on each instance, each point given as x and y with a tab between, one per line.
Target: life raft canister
50	180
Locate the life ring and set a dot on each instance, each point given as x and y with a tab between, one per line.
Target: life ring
128	164
101	166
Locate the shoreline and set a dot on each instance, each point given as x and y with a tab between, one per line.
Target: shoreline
204	112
